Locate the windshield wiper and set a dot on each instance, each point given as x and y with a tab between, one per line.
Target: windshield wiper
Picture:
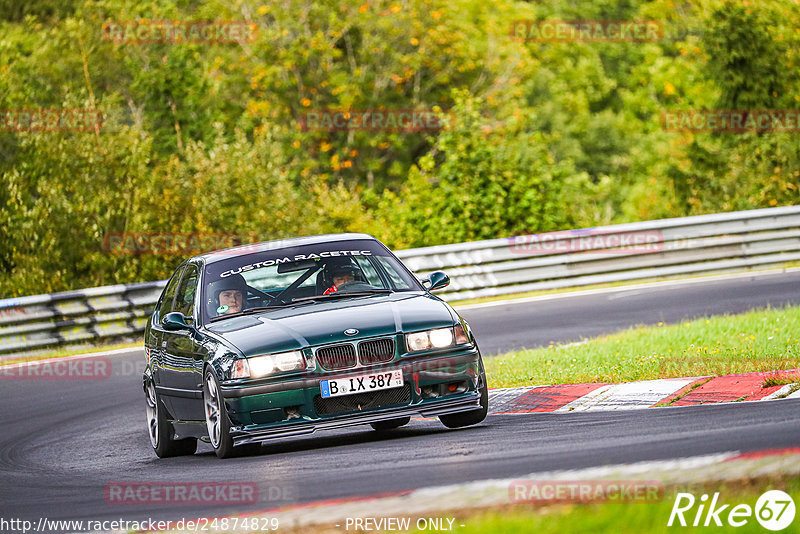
250	311
338	294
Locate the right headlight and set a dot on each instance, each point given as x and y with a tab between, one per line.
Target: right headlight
260	366
438	338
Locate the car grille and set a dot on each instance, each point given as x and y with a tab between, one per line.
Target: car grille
376	351
337	357
362	401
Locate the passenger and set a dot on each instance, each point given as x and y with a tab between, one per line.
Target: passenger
232	299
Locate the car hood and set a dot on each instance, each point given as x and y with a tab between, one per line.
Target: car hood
325	322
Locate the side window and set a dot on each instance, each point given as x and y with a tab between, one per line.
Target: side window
169	294
184	302
397	282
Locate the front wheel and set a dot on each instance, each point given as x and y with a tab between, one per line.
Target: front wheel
160	430
217	422
473	417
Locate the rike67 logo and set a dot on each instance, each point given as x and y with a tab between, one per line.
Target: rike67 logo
774	510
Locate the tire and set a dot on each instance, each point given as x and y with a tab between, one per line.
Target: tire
473	417
160	430
391	424
217	422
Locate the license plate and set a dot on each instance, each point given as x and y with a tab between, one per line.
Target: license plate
361	384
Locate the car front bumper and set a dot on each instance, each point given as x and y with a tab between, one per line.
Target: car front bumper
260	412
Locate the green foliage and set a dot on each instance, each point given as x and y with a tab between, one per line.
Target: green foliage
746	57
63	194
480	184
207	137
752	55
16	10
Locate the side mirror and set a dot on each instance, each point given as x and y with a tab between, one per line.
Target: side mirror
437	280
175	321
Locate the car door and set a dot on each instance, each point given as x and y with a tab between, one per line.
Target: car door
155	336
183	351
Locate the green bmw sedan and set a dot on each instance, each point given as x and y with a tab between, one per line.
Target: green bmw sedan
288	337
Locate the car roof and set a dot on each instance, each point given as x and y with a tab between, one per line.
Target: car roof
277	244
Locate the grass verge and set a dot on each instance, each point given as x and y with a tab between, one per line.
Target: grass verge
756	341
781	380
644	517
598	517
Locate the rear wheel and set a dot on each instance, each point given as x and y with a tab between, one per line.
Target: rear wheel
159	429
458	420
391	424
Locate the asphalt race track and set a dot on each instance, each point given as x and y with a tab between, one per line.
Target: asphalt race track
63	441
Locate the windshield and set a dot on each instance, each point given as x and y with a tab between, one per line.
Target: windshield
292	276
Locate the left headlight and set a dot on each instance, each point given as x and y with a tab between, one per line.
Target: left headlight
260	366
438	338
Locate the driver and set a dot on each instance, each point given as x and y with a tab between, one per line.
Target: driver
343	274
227	295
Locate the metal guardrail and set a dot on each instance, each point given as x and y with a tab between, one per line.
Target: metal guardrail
81	317
718	243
